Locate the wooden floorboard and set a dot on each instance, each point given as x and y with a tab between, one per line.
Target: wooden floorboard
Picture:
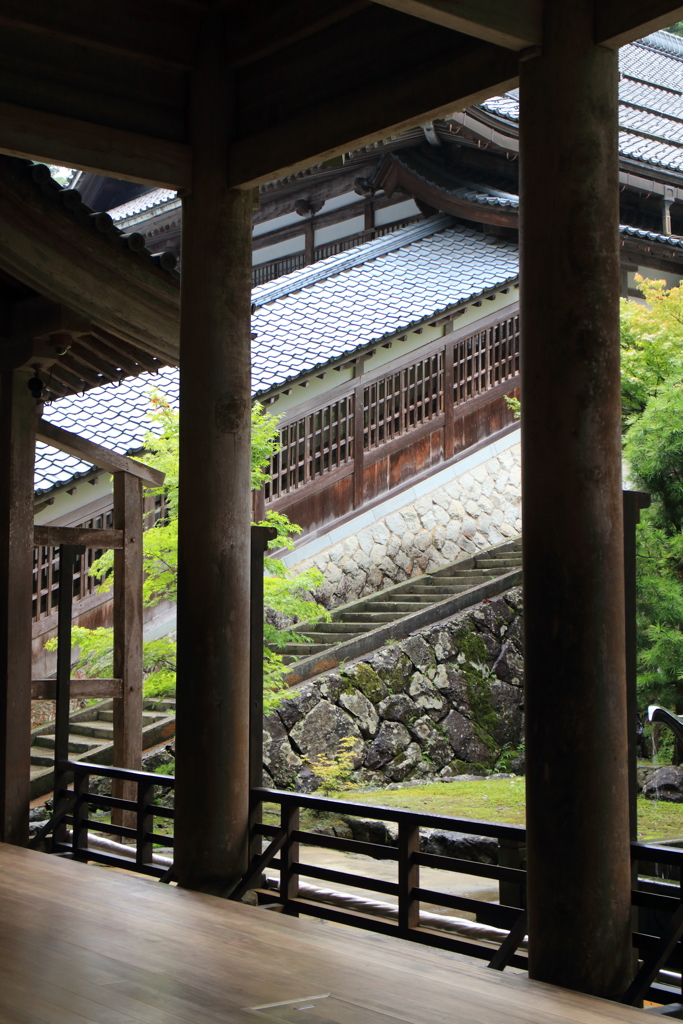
86	945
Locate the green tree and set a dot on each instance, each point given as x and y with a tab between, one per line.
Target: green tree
652	372
284	591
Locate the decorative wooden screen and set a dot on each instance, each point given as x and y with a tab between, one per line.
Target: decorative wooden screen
401	401
486	358
46	571
312	446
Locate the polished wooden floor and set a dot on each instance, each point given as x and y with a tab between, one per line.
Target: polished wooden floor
80	943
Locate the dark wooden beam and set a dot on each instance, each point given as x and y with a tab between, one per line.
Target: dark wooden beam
53	138
86	450
621	21
153	32
402	100
53	536
46	689
515	26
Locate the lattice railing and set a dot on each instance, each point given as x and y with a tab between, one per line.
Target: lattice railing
394	405
46	561
312	446
485	358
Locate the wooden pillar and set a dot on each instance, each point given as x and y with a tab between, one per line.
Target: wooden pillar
17	452
128	638
575	701
212	740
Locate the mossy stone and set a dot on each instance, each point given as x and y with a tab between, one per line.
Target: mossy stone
369	683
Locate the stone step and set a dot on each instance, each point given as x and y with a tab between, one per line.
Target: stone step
502	567
300	650
404	608
328	627
328	639
147	716
102	731
369	618
42	756
439	592
401	598
77	744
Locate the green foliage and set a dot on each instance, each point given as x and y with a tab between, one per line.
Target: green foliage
676	29
651	343
334	773
514	405
286	592
652	370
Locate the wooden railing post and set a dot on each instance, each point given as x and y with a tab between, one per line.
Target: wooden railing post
67	559
408	874
144	822
448	403
289	880
127	638
358	447
79	840
510	855
260	538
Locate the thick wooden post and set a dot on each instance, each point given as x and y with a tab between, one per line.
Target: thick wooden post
128	638
577	777
17	429
212	740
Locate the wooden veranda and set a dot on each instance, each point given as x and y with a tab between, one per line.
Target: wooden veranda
215	98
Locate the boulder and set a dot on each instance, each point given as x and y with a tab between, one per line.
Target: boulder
295	707
462	736
426	696
391	740
322	730
398	707
331	685
509	666
482	849
398	769
666	784
362	710
507	703
419	652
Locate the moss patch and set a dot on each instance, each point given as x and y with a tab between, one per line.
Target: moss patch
368	682
472	658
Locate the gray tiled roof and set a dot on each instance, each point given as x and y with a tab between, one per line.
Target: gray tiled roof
302	321
651	101
145	202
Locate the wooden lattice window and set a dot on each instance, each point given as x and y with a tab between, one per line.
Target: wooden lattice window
46	571
311	447
486	358
401	401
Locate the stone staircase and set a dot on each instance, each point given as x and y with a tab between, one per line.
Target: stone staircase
91	738
363	625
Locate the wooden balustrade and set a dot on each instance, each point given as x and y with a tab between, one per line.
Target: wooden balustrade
386	428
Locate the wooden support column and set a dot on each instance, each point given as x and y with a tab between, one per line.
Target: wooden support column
212	739
128	638
575	702
17	429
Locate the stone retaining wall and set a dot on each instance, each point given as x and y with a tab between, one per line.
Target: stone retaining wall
476	510
446	701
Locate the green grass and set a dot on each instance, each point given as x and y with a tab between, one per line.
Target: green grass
502	800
